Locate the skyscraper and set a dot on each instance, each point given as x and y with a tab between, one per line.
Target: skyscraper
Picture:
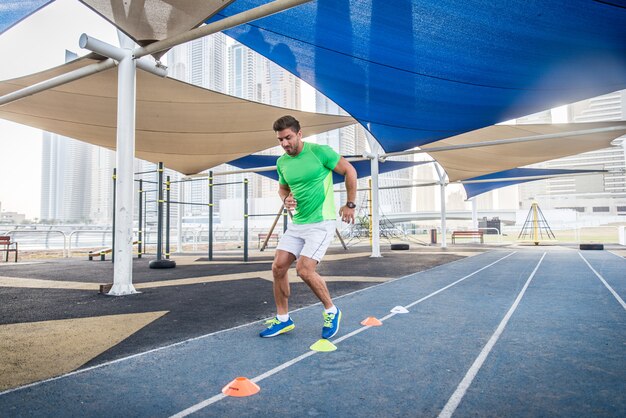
101	185
65	179
201	62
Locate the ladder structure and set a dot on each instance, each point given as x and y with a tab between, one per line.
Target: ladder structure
536	228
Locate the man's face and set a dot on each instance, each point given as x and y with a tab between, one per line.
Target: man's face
290	141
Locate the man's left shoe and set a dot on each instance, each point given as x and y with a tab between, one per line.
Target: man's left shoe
331	324
275	327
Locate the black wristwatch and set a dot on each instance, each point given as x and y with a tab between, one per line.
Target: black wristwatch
350	205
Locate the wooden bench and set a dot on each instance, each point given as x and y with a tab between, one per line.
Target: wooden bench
6	244
263	237
103	252
468	234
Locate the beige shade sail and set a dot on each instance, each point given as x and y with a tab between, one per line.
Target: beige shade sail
188	128
148	21
467	163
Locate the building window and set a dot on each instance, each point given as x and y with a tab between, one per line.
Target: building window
621	208
600	208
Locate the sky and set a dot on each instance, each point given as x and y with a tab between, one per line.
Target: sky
35	44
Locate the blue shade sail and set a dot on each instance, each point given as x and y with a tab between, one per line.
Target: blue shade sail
363	168
414	72
13	12
515	176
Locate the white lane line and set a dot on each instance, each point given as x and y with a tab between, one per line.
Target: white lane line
616	255
620	300
460	391
257	379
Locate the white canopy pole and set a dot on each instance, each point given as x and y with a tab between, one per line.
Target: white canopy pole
442	183
108	50
124	210
124	161
375	150
474	213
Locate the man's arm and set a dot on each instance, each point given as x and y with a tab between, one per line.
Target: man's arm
347	170
284	191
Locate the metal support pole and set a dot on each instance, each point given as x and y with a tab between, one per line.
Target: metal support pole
375	148
113	231
167	218
442	185
375	210
144	221
210	215
271	231
123	267
285	219
140	220
160	262
474	213
147	64
369	210
535	224
245	219
160	212
179	218
343	243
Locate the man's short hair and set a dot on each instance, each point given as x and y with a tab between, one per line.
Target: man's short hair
285	122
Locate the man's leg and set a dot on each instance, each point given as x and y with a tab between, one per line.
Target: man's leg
282	323
282	262
306	268
318	238
332	315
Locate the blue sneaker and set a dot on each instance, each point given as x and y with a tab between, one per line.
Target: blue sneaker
331	324
275	327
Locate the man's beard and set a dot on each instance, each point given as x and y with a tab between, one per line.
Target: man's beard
291	150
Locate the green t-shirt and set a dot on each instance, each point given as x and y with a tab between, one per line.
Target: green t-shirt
309	176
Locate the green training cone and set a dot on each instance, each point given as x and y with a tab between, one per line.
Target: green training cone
323	345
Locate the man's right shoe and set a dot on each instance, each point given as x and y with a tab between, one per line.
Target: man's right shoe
275	327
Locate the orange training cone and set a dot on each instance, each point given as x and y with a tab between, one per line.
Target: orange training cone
370	321
241	387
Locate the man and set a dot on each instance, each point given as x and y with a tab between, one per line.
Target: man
306	188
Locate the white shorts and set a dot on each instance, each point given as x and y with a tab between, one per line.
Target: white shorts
309	240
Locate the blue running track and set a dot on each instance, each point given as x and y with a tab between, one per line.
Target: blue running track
535	332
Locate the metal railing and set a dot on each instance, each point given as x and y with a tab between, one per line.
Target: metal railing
24	242
104	241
